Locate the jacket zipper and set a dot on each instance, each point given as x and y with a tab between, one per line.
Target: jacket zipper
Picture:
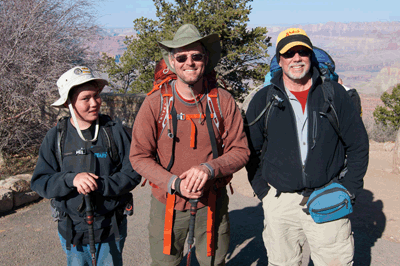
302	168
314	126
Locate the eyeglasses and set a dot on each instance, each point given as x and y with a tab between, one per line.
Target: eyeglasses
195	57
291	53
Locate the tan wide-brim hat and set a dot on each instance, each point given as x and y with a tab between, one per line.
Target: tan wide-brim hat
188	34
72	78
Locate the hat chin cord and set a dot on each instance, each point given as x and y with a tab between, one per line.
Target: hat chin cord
190	86
71	110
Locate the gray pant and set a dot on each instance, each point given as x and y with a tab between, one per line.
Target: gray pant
180	230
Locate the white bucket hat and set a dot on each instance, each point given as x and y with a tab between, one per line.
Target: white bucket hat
72	78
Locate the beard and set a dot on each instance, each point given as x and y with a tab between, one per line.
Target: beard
298	76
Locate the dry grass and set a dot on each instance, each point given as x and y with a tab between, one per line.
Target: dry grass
21	163
379	132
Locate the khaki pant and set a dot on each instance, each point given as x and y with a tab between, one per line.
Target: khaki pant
180	232
287	226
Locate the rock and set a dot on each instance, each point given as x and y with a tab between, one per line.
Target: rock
18	183
24	197
15	184
7	183
6	200
16	191
26	177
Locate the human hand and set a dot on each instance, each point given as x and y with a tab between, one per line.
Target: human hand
188	194
195	178
85	182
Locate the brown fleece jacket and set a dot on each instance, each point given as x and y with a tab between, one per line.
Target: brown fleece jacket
145	145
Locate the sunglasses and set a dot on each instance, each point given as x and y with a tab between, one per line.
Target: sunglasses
195	57
290	53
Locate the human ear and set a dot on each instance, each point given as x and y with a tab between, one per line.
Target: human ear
171	62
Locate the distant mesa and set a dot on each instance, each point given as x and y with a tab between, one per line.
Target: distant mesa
362	50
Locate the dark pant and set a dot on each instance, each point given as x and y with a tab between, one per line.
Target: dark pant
180	230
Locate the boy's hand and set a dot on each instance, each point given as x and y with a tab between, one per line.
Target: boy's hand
85	183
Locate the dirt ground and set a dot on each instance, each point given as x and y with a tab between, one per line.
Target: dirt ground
377	209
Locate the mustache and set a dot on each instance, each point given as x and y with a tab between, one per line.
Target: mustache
297	64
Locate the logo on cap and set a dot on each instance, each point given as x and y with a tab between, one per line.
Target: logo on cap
77	71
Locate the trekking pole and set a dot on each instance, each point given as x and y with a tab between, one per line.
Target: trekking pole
89	211
193	211
89	221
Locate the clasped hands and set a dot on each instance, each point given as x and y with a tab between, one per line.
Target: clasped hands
85	182
193	181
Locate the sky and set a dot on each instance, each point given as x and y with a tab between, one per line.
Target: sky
122	13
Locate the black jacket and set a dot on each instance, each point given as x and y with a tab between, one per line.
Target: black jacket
282	165
50	180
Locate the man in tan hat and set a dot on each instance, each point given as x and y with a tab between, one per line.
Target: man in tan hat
300	153
187	141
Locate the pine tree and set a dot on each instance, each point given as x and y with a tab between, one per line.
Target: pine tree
389	114
244	49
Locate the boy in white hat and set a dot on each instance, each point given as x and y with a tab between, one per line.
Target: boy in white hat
86	154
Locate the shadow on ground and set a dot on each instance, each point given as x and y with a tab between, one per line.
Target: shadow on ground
247	246
368	223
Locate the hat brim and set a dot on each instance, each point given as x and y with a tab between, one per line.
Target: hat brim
289	46
63	99
211	43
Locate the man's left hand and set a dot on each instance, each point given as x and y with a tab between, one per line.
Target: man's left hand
197	177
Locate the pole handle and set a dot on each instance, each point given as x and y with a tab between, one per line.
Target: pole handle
193	211
89	221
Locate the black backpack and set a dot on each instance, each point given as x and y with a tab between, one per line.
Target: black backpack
105	131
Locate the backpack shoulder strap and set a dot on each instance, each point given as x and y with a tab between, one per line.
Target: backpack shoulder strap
328	110
214	106
112	149
61	129
271	100
167	103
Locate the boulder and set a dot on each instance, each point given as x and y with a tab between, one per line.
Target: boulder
16	191
6	200
18	183
24	197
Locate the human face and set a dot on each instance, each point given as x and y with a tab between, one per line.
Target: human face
297	67
189	71
86	103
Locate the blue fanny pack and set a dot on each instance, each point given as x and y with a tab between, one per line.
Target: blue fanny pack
329	203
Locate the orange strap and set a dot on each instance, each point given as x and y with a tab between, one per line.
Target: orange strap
158	86
169	217
193	126
212	201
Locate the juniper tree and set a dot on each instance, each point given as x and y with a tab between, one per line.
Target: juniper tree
244	49
389	114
